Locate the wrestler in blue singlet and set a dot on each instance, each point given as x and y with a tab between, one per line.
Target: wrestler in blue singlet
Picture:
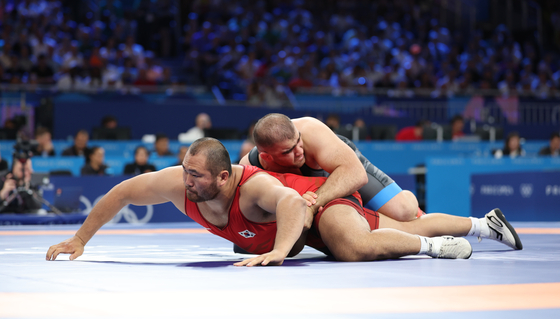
378	191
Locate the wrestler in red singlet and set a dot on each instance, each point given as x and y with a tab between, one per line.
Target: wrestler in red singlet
258	238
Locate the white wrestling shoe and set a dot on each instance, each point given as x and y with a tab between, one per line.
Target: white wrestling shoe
452	248
501	230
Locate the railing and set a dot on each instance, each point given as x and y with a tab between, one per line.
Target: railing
334	91
125	89
518	15
460	14
486	106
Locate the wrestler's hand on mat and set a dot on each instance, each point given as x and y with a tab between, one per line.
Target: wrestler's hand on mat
273	258
74	246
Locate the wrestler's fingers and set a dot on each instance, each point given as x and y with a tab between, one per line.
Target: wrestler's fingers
244	262
63	250
76	254
309	199
256	261
51	251
265	261
55	253
310	193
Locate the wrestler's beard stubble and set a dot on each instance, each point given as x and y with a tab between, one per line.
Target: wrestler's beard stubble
203	195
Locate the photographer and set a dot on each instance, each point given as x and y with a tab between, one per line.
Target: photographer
17	193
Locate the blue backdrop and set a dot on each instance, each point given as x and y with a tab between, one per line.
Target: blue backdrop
527	196
448	179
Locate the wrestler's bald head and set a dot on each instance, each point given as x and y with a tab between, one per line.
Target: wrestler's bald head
273	128
217	156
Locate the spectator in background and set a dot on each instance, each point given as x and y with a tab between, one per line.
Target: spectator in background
3	164
154	72
18	201
94	165
5	60
166	78
73	57
362	130
181	155
45	146
411	133
128	72
194	133
140	164
333	122
512	147
70	79
553	148
457	127
142	79
255	96
359	122
109	121
42	73
162	145
79	148
302	80
248	143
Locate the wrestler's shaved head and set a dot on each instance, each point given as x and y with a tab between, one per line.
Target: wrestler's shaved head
217	156
273	128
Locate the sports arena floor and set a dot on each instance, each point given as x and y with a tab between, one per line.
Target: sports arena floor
180	270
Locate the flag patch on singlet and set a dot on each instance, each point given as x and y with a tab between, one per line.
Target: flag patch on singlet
247	234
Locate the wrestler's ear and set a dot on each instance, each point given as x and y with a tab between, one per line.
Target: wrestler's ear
223	177
265	156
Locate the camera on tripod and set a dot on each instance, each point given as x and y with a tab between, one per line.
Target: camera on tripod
29	199
24	149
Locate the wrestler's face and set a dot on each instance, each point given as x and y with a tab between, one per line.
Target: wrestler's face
289	153
201	186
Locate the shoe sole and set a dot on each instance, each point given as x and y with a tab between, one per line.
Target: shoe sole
502	217
463	239
469	256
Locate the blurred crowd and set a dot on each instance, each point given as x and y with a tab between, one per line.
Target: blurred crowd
81	45
257	49
262	51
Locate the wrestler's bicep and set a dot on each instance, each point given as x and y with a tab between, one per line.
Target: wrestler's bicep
154	188
327	149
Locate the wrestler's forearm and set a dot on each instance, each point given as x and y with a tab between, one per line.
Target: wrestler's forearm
101	214
290	218
299	245
342	182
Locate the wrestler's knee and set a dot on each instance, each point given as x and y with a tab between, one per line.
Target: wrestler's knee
349	256
353	253
402	207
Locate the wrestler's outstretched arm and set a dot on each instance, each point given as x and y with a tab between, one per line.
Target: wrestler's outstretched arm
146	189
269	194
322	146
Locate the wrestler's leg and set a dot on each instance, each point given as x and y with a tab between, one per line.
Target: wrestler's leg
348	236
431	225
402	207
493	225
384	195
